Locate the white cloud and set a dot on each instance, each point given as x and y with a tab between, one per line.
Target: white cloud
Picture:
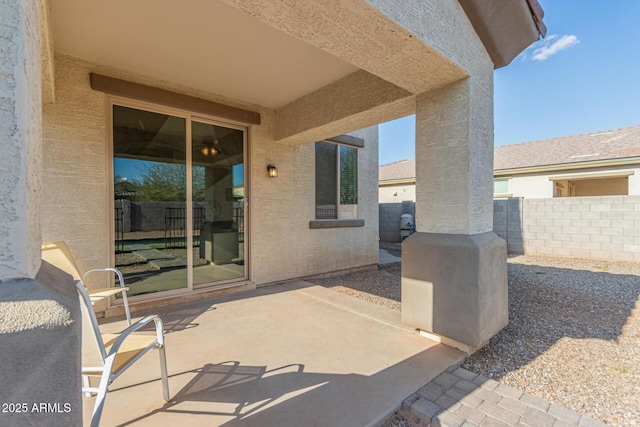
552	45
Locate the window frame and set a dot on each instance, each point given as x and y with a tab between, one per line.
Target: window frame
503	194
189	116
341	219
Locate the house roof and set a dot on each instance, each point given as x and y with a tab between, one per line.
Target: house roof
586	147
603	145
403	169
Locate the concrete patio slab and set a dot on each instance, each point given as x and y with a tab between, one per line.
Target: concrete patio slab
284	355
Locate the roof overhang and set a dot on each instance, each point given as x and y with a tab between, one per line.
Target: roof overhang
397	182
506	27
592	175
624	161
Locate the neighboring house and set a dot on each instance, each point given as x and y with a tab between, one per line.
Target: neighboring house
547	196
397	182
196	106
601	163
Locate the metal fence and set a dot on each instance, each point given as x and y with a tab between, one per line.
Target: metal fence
119	229
175	227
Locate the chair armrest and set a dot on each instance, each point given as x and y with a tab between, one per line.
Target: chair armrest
133	328
123	289
101	293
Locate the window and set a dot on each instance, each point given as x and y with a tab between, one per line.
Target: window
336	181
500	186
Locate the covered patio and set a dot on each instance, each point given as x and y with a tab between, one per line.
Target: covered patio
289	354
213	96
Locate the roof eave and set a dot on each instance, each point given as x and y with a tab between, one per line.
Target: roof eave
506	27
621	161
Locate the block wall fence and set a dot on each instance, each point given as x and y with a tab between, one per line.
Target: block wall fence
600	227
389	217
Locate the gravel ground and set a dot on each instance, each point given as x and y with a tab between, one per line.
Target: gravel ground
573	336
381	286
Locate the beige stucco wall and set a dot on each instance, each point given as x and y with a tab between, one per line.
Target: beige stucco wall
454	147
74	198
76	187
397	193
533	186
283	245
454	123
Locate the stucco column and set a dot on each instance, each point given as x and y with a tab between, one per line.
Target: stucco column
39	334
454	281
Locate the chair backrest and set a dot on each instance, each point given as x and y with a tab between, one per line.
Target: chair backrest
93	351
59	255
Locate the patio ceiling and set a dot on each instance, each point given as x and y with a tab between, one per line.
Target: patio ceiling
202	44
324	70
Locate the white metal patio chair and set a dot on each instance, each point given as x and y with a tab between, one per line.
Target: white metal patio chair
59	255
109	355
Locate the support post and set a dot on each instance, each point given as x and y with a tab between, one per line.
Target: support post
454	271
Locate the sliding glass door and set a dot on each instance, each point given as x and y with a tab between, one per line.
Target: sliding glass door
178	200
218	202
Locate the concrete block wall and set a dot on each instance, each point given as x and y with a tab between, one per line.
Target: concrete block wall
599	227
507	222
603	227
389	215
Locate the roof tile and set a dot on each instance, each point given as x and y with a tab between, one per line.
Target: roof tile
604	145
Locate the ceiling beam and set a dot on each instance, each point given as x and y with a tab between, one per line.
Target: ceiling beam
356	101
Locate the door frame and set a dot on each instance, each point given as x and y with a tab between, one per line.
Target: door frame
189	116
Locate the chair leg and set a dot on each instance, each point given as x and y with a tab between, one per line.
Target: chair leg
102	393
163	373
86	384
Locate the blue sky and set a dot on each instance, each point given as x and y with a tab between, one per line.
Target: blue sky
583	77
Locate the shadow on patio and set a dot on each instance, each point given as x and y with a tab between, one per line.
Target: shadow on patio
290	354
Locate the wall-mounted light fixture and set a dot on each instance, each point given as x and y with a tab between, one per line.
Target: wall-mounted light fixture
273	171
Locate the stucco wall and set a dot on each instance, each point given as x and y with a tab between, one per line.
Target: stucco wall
75	167
534	186
538	186
397	193
454	125
281	247
39	330
20	139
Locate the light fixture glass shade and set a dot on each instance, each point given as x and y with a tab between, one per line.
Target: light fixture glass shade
209	151
273	171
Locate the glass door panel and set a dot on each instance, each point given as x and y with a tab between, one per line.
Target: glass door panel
218	203
150	189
